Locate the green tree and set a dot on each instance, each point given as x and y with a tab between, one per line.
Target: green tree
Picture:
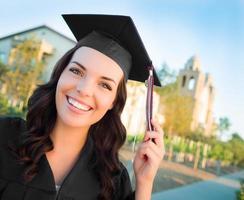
166	75
25	69
3	70
223	125
176	109
236	136
3	99
3	105
240	193
237	147
217	151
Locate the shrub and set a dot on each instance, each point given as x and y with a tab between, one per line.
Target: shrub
240	193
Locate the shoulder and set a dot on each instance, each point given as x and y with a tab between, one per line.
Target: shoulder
13	121
123	171
10	128
10	131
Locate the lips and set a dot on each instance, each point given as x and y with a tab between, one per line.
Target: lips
78	104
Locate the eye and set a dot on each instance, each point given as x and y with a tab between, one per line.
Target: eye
106	86
76	71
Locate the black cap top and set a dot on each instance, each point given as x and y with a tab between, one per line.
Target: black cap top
117	37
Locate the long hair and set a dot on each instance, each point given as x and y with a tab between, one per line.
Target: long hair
108	134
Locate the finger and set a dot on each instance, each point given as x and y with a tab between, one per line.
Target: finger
155	136
146	137
160	131
159	151
157	127
151	155
158	148
149	135
158	137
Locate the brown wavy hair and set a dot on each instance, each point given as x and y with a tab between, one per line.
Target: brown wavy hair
108	134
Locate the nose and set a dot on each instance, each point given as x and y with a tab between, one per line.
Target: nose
85	87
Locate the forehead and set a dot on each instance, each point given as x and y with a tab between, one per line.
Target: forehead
97	62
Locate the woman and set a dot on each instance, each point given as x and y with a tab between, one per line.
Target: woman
68	146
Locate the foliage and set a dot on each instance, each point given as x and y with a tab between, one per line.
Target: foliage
137	138
3	105
223	125
166	75
24	70
177	109
3	70
197	135
217	151
237	147
240	193
5	109
230	152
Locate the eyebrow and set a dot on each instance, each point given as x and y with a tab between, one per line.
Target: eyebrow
103	77
80	65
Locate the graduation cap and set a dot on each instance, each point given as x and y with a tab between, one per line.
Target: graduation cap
117	37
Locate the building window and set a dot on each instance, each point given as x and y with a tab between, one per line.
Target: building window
191	83
210	89
184	81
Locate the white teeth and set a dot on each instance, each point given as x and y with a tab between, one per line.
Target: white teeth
78	105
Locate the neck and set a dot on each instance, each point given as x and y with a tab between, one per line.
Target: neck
68	139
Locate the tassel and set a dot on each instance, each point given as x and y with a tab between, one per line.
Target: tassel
149	103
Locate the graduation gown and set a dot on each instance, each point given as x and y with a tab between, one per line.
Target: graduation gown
80	183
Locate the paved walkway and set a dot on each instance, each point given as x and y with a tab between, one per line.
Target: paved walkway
222	188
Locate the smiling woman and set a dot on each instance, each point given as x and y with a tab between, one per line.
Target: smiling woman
87	88
68	146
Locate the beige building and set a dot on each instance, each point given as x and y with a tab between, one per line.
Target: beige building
52	45
193	82
134	113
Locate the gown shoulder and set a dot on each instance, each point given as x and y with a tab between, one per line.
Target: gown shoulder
123	185
10	128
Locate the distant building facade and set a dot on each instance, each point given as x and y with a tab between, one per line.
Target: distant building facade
53	46
194	83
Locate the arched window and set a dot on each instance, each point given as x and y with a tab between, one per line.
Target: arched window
191	83
210	89
184	81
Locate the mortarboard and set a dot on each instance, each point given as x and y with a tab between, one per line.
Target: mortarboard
117	37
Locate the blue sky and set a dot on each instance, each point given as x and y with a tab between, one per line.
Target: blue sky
172	31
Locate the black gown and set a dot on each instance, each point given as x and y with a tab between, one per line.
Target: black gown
80	183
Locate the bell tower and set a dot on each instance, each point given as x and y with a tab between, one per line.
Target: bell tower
190	77
194	83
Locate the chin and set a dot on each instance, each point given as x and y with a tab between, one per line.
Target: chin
74	122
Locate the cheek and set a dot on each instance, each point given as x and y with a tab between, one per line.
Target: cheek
105	101
59	89
62	86
58	96
65	83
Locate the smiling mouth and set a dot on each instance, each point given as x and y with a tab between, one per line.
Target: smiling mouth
78	105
